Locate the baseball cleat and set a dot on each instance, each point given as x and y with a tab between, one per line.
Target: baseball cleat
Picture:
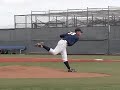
39	44
72	70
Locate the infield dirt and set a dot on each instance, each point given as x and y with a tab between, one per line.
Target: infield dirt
42	72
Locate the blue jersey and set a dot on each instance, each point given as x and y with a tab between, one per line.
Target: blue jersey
70	37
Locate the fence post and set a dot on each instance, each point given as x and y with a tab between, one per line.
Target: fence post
87	16
67	18
108	51
14	21
31	20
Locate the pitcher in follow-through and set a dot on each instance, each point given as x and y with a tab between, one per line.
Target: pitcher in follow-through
67	39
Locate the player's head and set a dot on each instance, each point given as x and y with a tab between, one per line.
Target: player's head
78	31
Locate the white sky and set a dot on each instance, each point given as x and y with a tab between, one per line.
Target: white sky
9	8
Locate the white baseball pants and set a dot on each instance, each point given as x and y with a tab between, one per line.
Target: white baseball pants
60	48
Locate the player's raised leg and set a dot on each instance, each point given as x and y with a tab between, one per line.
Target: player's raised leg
55	51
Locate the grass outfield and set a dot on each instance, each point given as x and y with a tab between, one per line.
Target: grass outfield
111	57
101	83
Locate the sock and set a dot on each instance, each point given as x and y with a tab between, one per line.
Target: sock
67	64
47	48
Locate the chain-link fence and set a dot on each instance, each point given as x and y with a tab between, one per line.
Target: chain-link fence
70	18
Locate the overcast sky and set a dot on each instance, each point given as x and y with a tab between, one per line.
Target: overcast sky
9	8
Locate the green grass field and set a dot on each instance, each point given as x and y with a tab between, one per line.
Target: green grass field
101	83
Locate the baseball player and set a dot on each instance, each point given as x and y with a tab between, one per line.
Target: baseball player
67	39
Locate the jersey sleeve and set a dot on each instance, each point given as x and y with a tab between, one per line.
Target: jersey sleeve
63	35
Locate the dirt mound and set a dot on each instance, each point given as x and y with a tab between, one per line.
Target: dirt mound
41	72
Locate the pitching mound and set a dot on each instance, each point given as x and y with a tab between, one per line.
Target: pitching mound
41	72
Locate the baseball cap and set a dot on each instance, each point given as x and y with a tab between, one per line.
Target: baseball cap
78	29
